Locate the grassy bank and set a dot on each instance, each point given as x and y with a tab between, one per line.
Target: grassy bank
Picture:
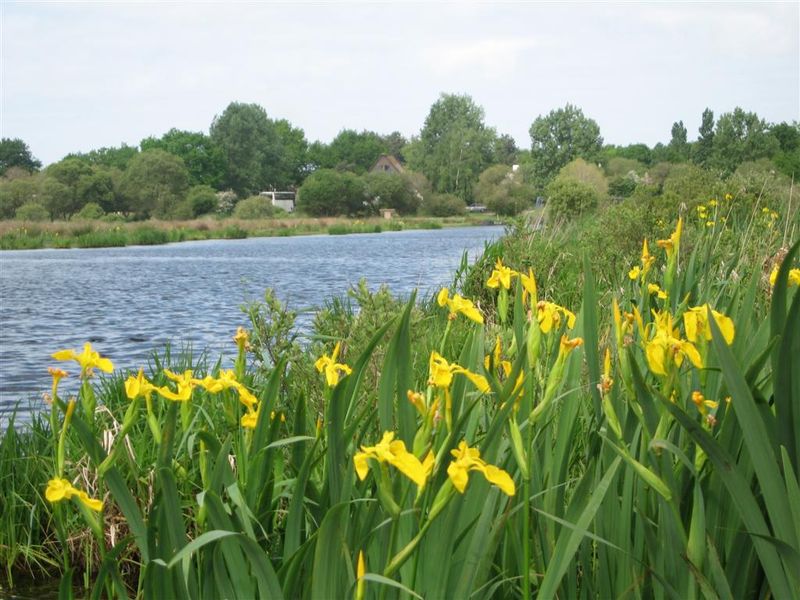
605	422
21	235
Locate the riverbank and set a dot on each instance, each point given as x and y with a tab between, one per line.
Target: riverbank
25	235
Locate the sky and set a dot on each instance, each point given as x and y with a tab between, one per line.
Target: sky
76	76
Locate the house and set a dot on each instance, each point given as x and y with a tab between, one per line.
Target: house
284	200
387	163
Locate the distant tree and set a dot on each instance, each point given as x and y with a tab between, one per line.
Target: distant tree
392	190
97	187
251	147
621	167
15	153
69	172
204	159
454	146
57	198
354	151
567	199
155	183
678	143
443	205
741	136
255	207
787	159
587	173
705	141
15	193
661	153
327	193
560	137
111	157
90	211
395	142
505	150
31	211
202	199
293	161
503	191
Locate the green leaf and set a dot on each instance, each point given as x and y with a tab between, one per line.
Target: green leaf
375	578
331	569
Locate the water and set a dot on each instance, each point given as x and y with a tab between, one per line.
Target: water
131	301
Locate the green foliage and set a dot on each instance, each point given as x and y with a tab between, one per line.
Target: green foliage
586	173
687	185
251	147
350	150
31	211
568	198
90	210
202	199
443	205
622	167
155	183
678	144
15	153
704	147
254	207
65	200
111	157
15	193
559	138
392	190
454	146
327	193
503	191
740	137
293	164
621	187
203	158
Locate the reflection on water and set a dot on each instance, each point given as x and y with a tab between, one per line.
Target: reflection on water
130	301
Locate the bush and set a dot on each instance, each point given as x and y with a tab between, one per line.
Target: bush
32	211
503	191
254	207
586	173
621	187
89	212
202	199
327	193
568	199
392	190
226	201
443	205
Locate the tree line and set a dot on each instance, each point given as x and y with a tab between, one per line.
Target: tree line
455	160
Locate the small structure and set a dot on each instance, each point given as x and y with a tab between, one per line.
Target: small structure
476	208
284	200
388	213
387	163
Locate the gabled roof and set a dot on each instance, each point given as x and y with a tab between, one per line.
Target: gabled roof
390	160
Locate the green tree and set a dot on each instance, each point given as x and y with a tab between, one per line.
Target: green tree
327	193
111	157
560	137
202	199
395	142
56	197
15	153
98	187
353	151
503	190
741	136
293	164
568	199
155	183
250	145
255	207
443	205
69	172
31	211
787	159
586	173
15	193
454	146
678	143
204	159
505	150
705	141
392	190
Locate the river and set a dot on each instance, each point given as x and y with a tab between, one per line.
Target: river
134	300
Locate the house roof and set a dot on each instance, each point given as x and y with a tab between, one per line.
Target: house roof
393	162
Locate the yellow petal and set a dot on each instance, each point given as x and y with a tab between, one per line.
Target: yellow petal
500	478
362	465
58	489
458	476
90	503
655	352
70	354
408	464
442	296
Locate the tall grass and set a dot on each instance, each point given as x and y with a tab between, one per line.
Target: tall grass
638	469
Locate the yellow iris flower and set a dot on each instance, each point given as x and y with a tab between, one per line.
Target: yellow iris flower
469	459
241	338
441	373
550	315
529	286
672	244
501	276
695	321
393	452
495	358
702	404
793	280
57	375
332	369
88	359
459	305
138	386
667	349
654	288
59	489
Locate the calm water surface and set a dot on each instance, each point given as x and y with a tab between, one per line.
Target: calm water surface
131	301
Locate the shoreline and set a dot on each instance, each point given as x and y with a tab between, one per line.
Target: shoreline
24	235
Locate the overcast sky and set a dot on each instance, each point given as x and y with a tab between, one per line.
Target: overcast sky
78	76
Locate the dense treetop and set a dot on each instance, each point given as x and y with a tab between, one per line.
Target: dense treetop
456	159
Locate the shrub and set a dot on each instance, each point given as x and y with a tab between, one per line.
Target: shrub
621	187
89	212
392	190
568	199
586	173
226	201
32	211
149	236
443	205
327	193
254	207
202	199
